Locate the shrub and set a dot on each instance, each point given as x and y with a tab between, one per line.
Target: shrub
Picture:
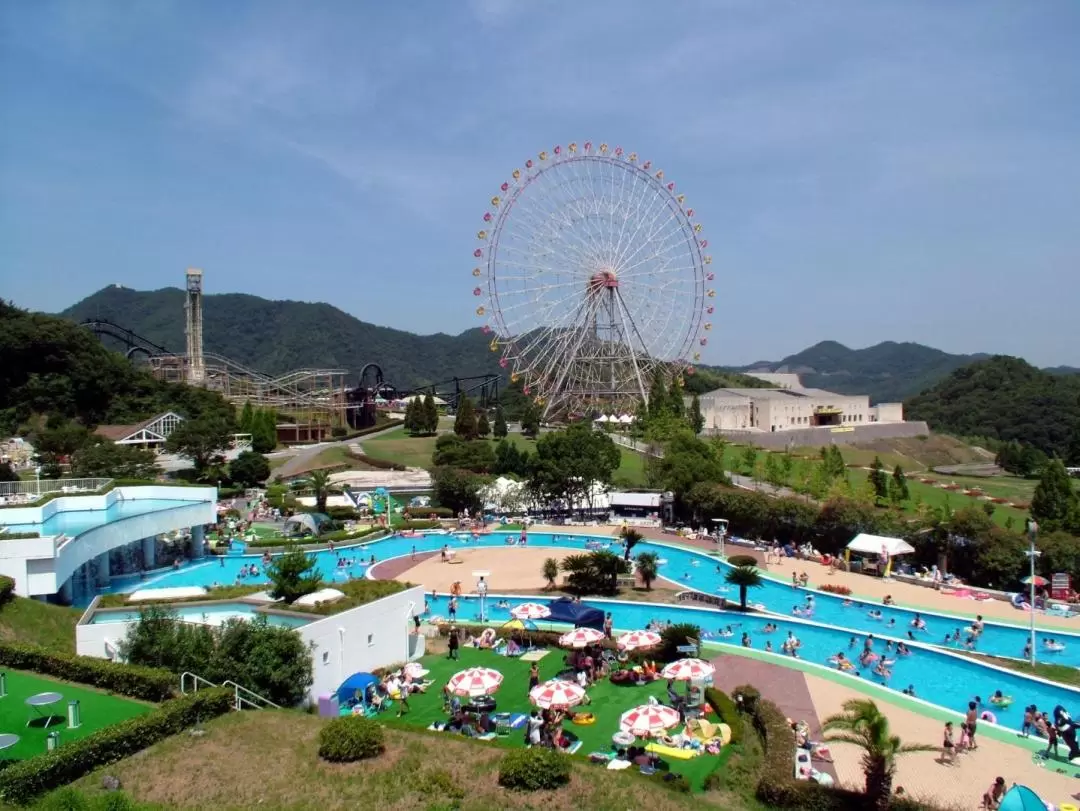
835	588
339	431
743	560
7	588
24	781
342	513
728	712
746	698
428	512
378	464
351	738
19	536
534	769
146	683
675	636
418	525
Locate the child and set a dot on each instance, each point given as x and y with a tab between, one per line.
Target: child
948	749
1029	722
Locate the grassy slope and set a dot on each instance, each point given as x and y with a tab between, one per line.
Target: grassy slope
32	621
396	446
269	759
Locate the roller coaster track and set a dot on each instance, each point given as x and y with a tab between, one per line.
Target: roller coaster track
133	341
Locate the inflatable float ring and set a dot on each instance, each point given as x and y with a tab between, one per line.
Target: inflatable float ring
584	719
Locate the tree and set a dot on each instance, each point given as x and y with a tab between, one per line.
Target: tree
862	724
687	461
550	571
530	420
271	660
465	420
457	489
879	480
746	578
697	419
100	458
832	461
7	473
676	407
772	472
508	459
1056	504
658	396
264	430
453	451
247	418
414	417
292	575
749	460
570	462
500	430
56	443
431	414
648	567
483	428
201	440
677	636
320	483
899	484
594	572
631	538
249	469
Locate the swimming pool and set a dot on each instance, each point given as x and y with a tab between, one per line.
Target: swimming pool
205	613
75	522
946	680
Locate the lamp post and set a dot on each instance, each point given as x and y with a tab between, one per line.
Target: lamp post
1032	553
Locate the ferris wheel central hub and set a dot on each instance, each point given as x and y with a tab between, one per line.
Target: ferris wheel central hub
604	280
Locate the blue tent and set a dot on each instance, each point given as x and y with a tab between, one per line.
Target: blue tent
357	681
1021	798
577	614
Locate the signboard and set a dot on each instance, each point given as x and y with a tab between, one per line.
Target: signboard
1060	586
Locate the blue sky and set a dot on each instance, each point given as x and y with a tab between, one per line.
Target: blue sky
865	171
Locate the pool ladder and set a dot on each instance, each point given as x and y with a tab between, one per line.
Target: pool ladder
243	698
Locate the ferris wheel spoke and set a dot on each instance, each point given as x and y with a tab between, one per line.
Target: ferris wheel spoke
653	209
557	227
659	224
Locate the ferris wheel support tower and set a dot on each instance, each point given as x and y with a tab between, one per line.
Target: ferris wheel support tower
193	328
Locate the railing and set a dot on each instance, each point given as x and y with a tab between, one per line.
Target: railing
700	597
40	487
242	696
635	445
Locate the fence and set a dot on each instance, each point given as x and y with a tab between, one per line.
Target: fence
41	487
637	445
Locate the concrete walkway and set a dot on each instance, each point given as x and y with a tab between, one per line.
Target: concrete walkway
303	460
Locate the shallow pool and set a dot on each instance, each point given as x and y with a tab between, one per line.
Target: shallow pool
75	522
207	614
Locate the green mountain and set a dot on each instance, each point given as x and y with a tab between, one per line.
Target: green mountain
277	337
888	372
1006	399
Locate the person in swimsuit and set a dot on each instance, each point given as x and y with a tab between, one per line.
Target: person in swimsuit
948	748
971	719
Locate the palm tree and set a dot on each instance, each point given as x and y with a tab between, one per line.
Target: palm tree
648	566
551	571
320	483
745	577
631	538
862	724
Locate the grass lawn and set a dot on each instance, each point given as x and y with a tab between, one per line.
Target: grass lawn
609	702
98	710
268	759
397	446
38	623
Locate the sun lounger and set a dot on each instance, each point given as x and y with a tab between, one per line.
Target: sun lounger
672	751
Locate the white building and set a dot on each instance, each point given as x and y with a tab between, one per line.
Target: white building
150	433
791	407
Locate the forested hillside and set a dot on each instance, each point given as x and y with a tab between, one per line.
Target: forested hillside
1006	399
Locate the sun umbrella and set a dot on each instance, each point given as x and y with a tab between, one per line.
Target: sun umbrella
638	639
415	669
519	625
1037	580
580	637
530	611
688	670
557	693
648	719
475	681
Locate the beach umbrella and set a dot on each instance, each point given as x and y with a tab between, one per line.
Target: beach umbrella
475	681
415	670
688	670
638	639
530	611
648	719
557	694
580	637
520	625
1037	580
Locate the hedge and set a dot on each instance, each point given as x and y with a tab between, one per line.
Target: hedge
145	683
22	782
427	512
378	464
418	525
18	536
321	540
727	711
7	588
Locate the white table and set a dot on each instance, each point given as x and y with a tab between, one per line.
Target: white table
37	702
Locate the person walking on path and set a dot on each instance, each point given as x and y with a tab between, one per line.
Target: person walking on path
948	748
972	719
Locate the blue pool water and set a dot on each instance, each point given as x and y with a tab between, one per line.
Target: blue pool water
74	522
206	614
948	681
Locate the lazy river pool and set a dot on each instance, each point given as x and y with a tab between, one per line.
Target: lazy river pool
947	680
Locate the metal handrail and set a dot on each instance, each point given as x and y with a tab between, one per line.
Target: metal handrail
239	700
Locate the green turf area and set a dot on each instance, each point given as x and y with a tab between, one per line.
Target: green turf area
397	446
98	710
609	702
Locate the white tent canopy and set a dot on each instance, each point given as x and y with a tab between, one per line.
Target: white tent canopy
879	544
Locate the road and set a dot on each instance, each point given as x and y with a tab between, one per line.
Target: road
304	457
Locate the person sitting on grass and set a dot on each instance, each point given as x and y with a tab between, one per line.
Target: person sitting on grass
993	796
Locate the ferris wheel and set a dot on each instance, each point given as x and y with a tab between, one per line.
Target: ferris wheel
591	275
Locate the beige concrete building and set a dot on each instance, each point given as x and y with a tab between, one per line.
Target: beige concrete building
791	407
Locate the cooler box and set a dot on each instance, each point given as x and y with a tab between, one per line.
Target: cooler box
328	706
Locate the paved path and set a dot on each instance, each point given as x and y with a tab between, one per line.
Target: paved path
390	569
303	460
787	689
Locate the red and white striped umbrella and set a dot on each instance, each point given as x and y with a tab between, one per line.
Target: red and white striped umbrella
638	639
475	681
649	719
414	669
530	611
688	670
580	637
557	693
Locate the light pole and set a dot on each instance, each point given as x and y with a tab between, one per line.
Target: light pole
1032	553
